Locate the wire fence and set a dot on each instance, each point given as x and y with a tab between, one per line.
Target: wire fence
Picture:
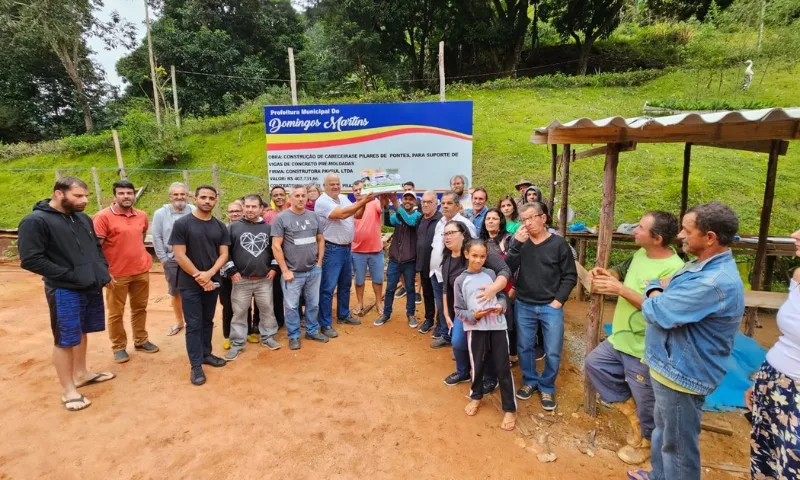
26	186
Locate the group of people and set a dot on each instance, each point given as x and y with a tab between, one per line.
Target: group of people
493	283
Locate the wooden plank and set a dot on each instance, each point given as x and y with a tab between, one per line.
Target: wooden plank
581	262
595	315
711	132
563	208
687	160
97	192
583	277
763	231
441	72
118	150
759	146
553	175
717	426
759	299
626	147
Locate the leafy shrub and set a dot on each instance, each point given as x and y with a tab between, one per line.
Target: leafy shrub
712	105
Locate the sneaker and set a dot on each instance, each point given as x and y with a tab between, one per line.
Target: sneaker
439	343
294	344
349	320
525	392
232	354
252	338
455	378
489	387
146	347
426	327
121	356
412	322
548	402
226	345
271	343
214	361
330	332
380	320
316	336
198	376
400	293
418	299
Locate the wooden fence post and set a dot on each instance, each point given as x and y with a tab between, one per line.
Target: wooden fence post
441	71
58	174
175	97
186	182
292	77
215	181
97	192
120	164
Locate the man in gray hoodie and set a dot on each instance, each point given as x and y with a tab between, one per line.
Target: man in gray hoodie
161	229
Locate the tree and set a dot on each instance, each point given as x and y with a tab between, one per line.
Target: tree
683	9
64	25
585	21
233	46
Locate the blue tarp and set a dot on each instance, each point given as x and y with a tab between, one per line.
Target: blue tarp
746	358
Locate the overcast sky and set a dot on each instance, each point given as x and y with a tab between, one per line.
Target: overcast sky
130	10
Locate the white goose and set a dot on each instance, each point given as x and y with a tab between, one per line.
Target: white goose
748	75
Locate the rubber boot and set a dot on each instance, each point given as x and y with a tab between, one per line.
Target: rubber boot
635	455
628	408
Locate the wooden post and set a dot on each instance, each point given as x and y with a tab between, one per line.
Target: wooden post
553	175
152	59
58	174
763	231
215	181
97	192
582	262
562	218
120	165
768	273
595	316
186	181
175	97
292	78
441	71
687	159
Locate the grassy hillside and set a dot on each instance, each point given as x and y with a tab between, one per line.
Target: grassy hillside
503	121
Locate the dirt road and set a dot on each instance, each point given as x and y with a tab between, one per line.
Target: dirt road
370	403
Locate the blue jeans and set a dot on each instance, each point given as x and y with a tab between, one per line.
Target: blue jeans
305	285
198	313
529	317
337	271
393	272
438	297
460	348
675	446
363	261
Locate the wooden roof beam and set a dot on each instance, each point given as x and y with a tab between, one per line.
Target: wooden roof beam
624	147
758	146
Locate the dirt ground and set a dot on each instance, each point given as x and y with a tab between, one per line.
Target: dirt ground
369	403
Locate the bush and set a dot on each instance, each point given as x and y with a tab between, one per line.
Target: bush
712	105
559	80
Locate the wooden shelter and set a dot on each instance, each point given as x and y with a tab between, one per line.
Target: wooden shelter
764	131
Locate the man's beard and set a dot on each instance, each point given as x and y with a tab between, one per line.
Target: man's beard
179	204
70	207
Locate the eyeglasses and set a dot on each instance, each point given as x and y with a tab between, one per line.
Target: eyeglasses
450	234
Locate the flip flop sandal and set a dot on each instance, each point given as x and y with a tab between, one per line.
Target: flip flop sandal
82	400
174	330
639	475
99	378
358	311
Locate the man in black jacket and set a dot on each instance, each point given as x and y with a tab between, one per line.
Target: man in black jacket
402	254
425	231
251	270
57	241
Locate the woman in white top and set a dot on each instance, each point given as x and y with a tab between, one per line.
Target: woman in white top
775	397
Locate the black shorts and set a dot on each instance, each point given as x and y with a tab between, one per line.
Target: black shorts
74	313
171	275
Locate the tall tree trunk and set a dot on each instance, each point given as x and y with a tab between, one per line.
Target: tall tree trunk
586	51
70	64
535	28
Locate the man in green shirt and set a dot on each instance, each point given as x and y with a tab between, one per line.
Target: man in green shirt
615	367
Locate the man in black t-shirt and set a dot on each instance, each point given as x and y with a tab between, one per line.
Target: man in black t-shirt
200	243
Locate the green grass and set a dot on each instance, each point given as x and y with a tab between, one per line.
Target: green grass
649	178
